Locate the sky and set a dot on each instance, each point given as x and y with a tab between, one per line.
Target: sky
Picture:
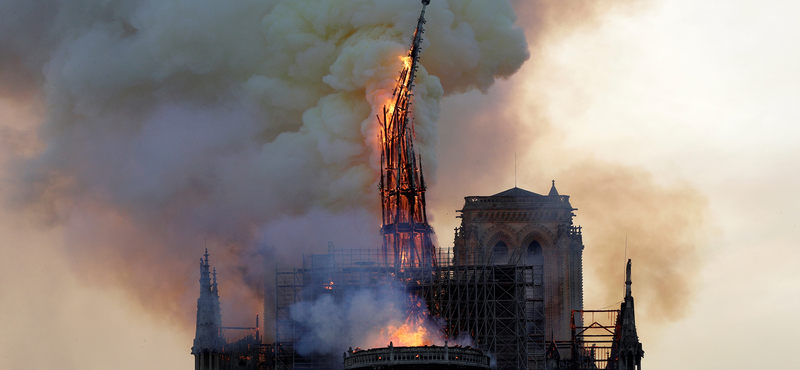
691	100
700	93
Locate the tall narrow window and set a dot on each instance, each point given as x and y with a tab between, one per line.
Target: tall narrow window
500	256
534	254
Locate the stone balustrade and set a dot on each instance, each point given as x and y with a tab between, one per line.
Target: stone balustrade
461	357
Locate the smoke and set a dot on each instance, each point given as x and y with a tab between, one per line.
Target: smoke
666	222
245	126
365	318
248	126
663	228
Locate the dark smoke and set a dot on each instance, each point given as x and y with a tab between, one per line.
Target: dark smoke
245	126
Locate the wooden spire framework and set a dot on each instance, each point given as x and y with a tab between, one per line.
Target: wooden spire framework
406	234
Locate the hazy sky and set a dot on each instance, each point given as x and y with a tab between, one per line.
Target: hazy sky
696	95
704	93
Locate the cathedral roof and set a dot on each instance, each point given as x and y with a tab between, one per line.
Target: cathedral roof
516	198
517	192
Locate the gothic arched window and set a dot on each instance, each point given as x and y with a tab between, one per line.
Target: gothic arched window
500	253
534	254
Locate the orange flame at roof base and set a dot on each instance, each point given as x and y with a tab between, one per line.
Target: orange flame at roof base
417	330
408	335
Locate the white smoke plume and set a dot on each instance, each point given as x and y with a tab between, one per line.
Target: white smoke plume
245	125
363	318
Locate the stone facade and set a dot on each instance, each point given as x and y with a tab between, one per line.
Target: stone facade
519	227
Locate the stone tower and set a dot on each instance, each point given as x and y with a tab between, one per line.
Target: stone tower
208	341
519	227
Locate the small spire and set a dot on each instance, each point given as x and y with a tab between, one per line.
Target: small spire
206	256
628	279
552	351
630	348
553	191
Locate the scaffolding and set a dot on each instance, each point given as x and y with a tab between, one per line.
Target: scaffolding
594	346
499	306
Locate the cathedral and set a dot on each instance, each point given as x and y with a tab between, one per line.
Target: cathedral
512	282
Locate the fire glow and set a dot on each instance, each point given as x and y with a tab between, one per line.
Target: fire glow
390	103
407	241
417	330
410	334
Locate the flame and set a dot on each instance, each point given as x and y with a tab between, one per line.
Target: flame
406	74
417	330
406	59
390	102
408	335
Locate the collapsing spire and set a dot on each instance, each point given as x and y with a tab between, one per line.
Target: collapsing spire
405	227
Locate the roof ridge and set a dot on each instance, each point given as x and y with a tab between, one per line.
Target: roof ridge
517	192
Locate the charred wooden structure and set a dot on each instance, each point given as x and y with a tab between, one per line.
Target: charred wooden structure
406	234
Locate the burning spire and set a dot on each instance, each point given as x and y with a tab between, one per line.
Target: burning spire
406	233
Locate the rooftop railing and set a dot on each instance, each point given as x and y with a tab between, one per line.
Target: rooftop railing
446	355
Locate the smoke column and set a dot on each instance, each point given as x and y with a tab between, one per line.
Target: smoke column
153	128
247	126
366	318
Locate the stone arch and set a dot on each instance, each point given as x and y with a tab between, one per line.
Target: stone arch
533	254
543	235
499	247
473	251
534	244
492	232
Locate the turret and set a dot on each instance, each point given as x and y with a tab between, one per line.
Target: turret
553	192
208	339
552	357
630	349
